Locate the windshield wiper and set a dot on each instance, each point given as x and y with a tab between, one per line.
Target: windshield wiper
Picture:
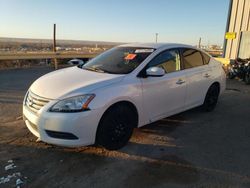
94	69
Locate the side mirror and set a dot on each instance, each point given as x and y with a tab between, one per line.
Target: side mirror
155	71
80	65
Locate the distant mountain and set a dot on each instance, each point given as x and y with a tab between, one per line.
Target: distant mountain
63	42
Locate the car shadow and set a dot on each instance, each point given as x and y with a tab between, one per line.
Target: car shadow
140	164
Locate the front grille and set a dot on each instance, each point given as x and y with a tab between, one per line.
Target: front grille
35	102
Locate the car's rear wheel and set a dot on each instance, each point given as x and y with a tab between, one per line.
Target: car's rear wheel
116	127
211	98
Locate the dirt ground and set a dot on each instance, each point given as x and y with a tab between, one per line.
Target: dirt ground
191	149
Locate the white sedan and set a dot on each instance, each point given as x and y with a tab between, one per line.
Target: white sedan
125	87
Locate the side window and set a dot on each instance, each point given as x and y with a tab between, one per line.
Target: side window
206	58
192	58
168	60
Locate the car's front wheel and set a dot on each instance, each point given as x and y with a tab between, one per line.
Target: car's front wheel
211	98
116	127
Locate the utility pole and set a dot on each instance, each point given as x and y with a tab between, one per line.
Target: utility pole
54	46
156	37
199	45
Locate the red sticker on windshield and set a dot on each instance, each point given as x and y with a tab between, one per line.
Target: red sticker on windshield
130	57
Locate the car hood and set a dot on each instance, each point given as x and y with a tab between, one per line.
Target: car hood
70	82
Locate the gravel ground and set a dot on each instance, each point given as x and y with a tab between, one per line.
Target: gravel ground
191	149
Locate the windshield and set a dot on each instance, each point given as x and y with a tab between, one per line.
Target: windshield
118	60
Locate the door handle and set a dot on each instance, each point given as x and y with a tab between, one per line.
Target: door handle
207	75
180	81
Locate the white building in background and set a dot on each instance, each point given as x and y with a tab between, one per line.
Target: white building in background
237	38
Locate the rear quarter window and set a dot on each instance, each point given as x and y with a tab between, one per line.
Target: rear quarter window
206	58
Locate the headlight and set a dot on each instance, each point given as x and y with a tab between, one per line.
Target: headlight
73	104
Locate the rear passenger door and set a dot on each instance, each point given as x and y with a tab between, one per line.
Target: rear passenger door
198	73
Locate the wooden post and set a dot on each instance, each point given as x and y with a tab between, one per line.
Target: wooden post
199	45
54	46
156	37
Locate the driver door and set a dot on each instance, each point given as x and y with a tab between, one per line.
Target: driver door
164	96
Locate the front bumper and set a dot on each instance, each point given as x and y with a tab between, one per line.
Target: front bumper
82	125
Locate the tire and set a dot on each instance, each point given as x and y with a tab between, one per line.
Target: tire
116	127
247	79
211	98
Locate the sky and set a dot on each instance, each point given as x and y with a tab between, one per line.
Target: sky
182	21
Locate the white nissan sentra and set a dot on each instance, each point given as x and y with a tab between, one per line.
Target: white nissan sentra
126	87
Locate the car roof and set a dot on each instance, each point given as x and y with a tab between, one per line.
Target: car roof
157	45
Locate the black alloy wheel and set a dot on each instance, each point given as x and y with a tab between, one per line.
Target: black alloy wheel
116	127
211	98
